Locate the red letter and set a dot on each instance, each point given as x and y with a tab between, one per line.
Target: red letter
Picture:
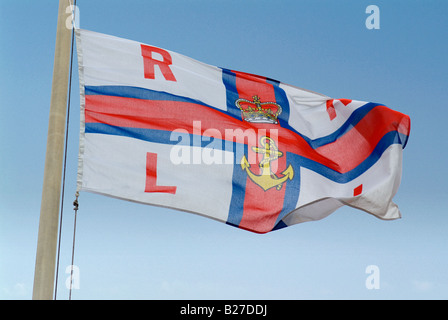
357	191
330	109
149	62
151	176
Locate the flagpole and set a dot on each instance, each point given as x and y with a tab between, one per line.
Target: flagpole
44	272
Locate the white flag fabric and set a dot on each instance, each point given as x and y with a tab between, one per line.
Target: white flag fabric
160	128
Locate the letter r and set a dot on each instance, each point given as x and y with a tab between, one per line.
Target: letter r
149	62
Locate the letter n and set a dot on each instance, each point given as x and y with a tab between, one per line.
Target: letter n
149	62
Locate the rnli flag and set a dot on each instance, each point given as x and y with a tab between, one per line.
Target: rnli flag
160	128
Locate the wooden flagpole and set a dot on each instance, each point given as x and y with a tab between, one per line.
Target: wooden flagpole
44	274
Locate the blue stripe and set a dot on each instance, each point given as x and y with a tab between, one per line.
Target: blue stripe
236	208
293	186
279	225
390	138
291	195
352	121
238	192
136	93
229	80
282	100
151	135
143	94
356	116
166	137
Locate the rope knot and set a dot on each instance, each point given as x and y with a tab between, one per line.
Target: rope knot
75	203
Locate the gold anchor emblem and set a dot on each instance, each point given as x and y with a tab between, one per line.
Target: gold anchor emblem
267	179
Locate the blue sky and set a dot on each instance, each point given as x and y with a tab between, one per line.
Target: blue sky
132	251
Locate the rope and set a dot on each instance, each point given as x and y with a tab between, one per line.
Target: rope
65	160
75	208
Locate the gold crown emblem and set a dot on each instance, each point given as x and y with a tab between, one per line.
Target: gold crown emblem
259	112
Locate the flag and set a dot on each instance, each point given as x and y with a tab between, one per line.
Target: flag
160	128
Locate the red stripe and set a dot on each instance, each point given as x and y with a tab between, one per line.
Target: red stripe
348	151
342	155
154	114
261	208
